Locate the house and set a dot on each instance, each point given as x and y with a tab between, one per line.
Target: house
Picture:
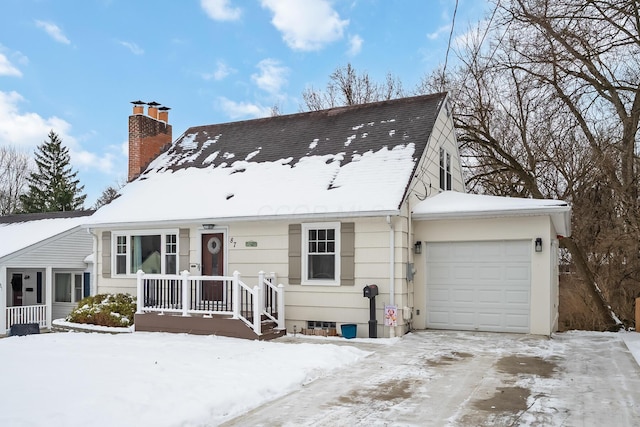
326	204
45	264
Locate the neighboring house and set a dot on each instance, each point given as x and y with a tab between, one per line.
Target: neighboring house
328	203
44	266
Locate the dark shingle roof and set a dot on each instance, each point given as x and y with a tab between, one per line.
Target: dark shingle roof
351	130
10	219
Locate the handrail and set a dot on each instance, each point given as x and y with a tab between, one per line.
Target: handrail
176	294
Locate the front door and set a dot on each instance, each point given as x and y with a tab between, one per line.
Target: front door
213	265
16	287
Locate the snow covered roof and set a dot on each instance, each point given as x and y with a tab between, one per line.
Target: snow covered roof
21	231
455	205
355	160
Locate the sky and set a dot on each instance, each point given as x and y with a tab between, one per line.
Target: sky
132	379
74	66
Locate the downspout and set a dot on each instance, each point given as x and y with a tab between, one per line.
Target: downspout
392	270
94	267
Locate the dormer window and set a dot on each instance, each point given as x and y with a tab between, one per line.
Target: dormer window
445	169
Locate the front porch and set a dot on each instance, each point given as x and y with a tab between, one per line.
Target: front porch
210	305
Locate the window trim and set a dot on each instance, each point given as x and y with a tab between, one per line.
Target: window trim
305	254
152	232
74	286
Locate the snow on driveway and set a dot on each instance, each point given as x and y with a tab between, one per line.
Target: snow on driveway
446	378
427	378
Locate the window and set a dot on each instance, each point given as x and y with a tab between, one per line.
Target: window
151	252
67	287
321	253
445	170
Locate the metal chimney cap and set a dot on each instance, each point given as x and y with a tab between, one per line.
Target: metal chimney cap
153	103
138	102
164	108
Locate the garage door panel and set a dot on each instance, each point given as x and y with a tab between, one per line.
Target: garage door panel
492	296
441	318
517	297
489	320
463	319
516	321
439	295
518	272
480	286
462	296
490	272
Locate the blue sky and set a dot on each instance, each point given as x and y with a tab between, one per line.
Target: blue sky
74	66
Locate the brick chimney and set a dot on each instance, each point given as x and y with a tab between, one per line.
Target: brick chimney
148	134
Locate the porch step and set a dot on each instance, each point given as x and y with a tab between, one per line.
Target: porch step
204	325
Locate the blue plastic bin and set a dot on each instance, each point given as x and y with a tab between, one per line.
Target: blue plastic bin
349	330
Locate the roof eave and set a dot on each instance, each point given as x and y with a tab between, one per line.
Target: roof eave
226	220
560	216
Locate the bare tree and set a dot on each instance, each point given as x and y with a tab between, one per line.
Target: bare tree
14	170
108	195
550	108
347	87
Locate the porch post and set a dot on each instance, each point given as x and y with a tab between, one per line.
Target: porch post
139	292
4	288
48	280
261	295
281	306
257	310
185	293
235	296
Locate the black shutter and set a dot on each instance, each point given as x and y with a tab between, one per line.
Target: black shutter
347	254
295	255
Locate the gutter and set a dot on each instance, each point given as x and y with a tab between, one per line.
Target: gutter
182	221
560	215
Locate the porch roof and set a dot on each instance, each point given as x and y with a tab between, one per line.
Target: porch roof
21	231
456	205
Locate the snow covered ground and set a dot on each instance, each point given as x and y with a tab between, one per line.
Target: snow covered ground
159	379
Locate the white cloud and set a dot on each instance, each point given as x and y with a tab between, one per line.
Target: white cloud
355	45
440	31
237	110
28	130
306	25
86	160
220	73
220	10
54	31
272	75
7	68
134	48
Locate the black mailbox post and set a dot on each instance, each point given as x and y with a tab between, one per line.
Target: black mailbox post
370	291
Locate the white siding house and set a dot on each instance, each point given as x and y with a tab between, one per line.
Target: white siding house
43	272
329	202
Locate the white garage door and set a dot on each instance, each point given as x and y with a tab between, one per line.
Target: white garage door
479	286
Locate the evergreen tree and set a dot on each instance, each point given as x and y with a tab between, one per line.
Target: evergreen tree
53	186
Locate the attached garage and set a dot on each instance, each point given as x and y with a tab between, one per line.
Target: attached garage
479	286
489	263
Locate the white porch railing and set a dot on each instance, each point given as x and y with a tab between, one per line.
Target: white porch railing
27	314
185	294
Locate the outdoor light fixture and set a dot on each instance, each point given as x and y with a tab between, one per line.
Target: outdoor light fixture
208	226
538	244
417	248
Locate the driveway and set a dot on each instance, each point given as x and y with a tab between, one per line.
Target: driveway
447	378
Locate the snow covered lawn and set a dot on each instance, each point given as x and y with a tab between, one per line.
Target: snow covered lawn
151	379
